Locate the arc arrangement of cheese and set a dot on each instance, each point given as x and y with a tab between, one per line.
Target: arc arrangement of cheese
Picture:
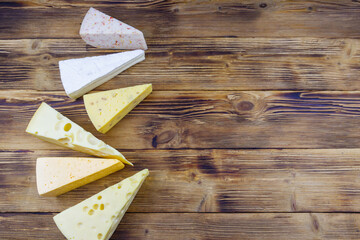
80	76
98	216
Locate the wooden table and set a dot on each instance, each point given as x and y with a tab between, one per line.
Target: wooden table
251	132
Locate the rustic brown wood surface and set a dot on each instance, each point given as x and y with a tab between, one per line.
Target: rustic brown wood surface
218	63
250	132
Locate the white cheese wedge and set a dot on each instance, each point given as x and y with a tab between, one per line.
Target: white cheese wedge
97	217
102	31
81	75
50	125
58	175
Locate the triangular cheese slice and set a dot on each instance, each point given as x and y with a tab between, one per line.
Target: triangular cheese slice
107	108
97	217
58	175
102	31
50	125
81	75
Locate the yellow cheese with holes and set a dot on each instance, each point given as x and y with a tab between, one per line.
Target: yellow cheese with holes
97	217
58	175
107	108
50	125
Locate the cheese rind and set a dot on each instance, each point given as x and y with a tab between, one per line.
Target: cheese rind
58	175
81	75
103	31
107	108
97	217
50	125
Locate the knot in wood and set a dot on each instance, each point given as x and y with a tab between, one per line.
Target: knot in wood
245	106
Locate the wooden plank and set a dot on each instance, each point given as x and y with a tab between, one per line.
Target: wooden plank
198	226
196	64
62	19
205	181
206	119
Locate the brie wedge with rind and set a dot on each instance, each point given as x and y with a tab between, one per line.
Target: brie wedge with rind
81	75
107	108
58	175
50	125
97	217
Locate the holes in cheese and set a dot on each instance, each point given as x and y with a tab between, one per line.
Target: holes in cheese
99	197
128	195
133	180
57	125
67	127
79	135
59	116
99	236
95	206
92	140
113	205
49	125
107	108
65	140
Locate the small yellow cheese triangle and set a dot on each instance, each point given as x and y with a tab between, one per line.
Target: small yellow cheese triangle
58	175
107	108
97	217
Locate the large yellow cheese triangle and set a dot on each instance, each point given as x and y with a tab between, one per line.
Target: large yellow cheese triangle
50	125
58	175
97	217
107	108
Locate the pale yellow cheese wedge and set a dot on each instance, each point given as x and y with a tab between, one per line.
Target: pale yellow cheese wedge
50	125
58	175
107	108
97	217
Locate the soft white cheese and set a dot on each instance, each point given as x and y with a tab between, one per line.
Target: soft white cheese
97	217
81	75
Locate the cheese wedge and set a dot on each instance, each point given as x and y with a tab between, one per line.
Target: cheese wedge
58	175
50	125
97	217
107	108
81	75
102	31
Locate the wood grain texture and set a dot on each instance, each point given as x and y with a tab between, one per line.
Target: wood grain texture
196	64
198	226
62	19
204	181
250	133
205	119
